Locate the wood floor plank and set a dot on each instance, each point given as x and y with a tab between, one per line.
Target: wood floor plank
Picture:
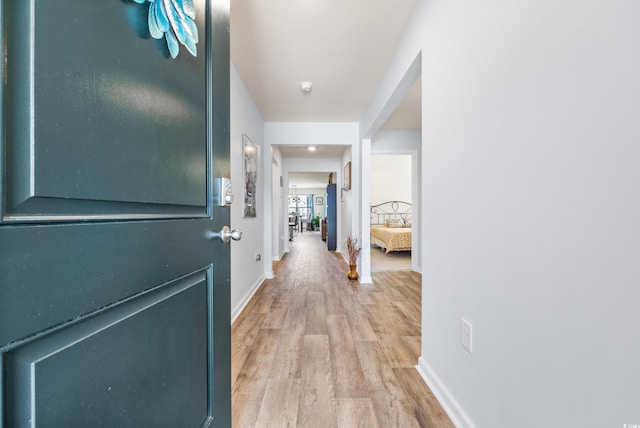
244	332
410	290
316	313
333	300
348	379
369	297
388	319
401	351
350	289
409	310
389	401
288	359
250	384
317	406
275	317
424	404
394	291
280	404
298	297
394	261
263	303
270	285
358	319
313	285
381	298
356	413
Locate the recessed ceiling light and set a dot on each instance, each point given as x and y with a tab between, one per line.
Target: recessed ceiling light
306	86
312	148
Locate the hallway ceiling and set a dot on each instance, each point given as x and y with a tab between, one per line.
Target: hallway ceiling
341	47
308	180
321	152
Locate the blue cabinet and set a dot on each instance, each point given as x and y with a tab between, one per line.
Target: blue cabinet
331	217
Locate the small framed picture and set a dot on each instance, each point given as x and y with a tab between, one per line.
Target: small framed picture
347	176
319	200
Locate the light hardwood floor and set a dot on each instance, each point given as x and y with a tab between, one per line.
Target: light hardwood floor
313	349
395	260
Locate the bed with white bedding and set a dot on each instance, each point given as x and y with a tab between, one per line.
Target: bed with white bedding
391	226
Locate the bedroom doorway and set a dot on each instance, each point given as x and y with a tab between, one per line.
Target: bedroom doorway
391	212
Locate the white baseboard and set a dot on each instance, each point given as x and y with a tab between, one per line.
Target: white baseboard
366	280
245	300
278	258
269	275
448	402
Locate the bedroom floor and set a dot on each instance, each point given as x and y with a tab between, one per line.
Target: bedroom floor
313	349
395	260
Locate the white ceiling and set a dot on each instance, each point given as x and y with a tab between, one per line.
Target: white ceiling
341	46
321	152
308	180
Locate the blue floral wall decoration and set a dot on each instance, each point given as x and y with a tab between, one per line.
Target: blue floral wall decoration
175	21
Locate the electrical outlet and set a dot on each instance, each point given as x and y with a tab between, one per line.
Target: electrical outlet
466	335
258	256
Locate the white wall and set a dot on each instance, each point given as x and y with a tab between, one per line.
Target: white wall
310	133
390	178
530	208
246	273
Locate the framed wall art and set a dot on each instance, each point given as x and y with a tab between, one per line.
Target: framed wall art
250	174
347	176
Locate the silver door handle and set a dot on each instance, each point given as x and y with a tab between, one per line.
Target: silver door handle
226	234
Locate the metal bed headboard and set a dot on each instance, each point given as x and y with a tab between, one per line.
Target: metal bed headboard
389	210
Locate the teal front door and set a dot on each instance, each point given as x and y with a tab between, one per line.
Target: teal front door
114	299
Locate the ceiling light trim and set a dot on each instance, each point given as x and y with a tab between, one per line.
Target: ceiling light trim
306	86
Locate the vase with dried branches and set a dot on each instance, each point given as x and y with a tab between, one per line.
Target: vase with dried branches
353	251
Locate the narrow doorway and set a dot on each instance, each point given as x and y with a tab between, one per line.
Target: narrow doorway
391	212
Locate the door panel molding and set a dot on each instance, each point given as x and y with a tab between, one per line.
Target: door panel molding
59	272
40	210
88	140
64	376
